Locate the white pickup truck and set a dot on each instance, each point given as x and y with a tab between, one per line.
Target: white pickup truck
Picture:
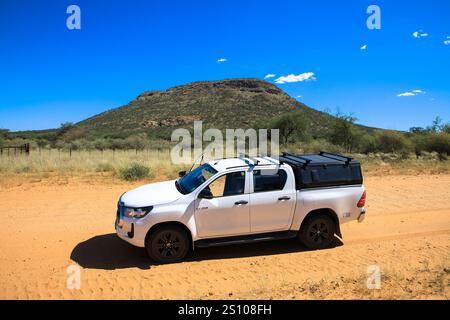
241	200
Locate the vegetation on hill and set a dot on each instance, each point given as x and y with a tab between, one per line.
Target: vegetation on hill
148	121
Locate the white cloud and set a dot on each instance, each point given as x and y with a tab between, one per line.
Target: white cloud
420	34
406	94
222	60
307	76
270	75
411	93
447	42
364	47
299	96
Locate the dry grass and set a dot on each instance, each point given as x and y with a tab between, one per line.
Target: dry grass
62	166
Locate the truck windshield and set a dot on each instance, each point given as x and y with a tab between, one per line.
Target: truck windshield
195	178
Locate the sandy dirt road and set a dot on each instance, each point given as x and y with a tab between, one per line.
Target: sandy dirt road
47	228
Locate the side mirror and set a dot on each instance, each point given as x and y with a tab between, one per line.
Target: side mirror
205	194
181	174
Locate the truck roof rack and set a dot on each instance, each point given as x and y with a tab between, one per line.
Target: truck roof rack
244	156
335	156
323	158
296	158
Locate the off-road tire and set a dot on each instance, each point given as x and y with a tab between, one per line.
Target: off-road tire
317	232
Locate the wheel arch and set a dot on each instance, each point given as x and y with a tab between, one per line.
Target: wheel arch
329	212
171	223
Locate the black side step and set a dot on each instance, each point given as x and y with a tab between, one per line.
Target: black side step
253	238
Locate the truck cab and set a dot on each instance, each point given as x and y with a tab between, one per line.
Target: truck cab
241	200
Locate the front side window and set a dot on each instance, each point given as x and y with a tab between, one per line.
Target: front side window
231	184
195	178
269	180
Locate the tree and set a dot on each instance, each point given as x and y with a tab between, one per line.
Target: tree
4	133
66	126
344	132
393	142
138	142
417	130
367	143
440	143
100	144
290	125
436	125
41	143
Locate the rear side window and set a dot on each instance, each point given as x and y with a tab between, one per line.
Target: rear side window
330	175
269	180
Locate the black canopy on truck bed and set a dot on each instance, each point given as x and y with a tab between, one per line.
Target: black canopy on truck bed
323	170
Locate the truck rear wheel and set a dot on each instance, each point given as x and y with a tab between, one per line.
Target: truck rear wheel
318	231
167	244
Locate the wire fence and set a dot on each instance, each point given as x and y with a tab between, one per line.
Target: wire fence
15	150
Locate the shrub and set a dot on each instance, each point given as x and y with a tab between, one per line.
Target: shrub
317	145
440	143
368	144
104	167
134	171
393	142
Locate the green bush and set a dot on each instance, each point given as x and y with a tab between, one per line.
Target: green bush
368	144
394	142
134	172
440	143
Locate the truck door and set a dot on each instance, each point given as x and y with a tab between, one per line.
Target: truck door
227	213
272	200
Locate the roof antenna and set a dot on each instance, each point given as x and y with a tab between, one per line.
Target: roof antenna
201	160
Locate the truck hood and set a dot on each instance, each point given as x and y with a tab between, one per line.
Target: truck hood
151	194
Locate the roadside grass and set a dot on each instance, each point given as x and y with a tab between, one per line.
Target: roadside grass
111	164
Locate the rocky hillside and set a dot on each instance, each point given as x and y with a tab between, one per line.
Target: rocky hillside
233	103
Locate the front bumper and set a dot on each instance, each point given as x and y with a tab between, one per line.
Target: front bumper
131	234
129	229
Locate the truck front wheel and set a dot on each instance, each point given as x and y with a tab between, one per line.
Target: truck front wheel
318	231
167	244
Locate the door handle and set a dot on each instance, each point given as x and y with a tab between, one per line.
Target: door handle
284	198
241	203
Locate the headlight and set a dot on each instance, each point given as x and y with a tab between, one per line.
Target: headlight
137	212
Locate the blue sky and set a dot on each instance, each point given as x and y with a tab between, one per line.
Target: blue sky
50	74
